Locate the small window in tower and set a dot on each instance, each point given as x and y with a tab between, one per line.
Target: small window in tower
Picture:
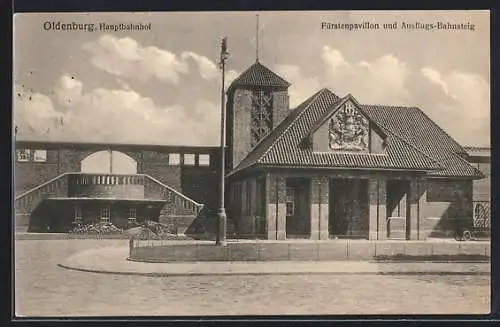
40	155
189	159
204	160
174	159
23	154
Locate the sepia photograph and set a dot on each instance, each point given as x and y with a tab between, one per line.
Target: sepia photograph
248	163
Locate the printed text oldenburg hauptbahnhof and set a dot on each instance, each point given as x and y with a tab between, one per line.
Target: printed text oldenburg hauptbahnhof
91	27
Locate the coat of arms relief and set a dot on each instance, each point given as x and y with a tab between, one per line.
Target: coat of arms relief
349	130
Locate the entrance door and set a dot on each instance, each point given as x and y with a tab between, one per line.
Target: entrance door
397	209
298	223
349	212
340	207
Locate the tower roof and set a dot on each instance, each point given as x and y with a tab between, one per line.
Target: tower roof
259	75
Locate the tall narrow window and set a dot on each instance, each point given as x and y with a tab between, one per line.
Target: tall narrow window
77	218
204	160
174	159
290	201
40	155
132	215
105	214
23	154
261	115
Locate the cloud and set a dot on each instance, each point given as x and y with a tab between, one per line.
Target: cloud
302	87
463	107
34	113
115	116
435	77
381	80
125	57
68	90
333	58
207	68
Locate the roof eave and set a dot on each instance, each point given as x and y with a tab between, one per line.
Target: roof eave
298	166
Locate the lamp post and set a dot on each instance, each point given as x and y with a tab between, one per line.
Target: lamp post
220	238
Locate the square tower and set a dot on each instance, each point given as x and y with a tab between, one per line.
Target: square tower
257	102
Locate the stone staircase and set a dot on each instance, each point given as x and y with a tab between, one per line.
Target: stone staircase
178	207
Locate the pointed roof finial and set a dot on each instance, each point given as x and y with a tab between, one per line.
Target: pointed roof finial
257	40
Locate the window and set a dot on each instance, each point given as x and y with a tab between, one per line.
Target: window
105	214
204	160
132	215
77	214
40	155
261	115
23	155
189	159
174	159
290	201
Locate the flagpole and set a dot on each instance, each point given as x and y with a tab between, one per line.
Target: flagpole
220	238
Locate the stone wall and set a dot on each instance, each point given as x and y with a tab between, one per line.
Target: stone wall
448	202
239	109
306	251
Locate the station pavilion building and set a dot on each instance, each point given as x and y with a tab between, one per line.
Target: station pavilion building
333	167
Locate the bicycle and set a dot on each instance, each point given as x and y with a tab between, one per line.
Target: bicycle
463	234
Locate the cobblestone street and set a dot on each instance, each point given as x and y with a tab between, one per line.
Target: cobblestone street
44	289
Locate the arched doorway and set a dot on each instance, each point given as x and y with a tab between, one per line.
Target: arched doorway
109	162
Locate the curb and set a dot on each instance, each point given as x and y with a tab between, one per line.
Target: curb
371	261
195	274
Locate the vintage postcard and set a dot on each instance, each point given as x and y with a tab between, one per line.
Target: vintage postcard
251	163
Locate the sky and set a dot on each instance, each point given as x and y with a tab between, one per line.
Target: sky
162	86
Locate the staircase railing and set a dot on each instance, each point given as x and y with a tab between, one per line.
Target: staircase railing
165	192
27	201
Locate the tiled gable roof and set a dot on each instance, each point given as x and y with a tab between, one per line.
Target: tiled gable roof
259	75
414	126
282	146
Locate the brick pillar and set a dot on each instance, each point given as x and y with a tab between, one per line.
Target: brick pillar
416	199
244	205
373	209
281	204
377	209
272	208
324	208
422	202
314	208
253	202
